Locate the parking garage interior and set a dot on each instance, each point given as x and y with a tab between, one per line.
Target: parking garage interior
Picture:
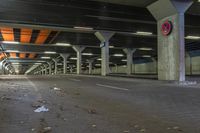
99	66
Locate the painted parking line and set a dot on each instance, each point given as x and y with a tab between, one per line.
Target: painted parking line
112	87
76	80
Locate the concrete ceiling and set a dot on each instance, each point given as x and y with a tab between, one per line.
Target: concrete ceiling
137	3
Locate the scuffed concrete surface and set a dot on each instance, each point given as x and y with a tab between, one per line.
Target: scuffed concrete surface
83	107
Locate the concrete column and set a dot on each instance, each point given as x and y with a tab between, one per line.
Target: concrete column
50	68
129	54
65	57
78	50
56	66
171	46
46	69
104	37
90	62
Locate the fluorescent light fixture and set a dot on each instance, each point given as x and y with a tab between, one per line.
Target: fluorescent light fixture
99	59
45	57
97	64
143	33
12	51
15	63
89	54
63	44
192	37
10	42
73	58
111	46
118	55
37	63
124	60
50	52
83	28
146	49
146	56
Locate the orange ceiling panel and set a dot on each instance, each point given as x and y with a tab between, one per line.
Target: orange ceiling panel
22	55
8	34
42	37
13	55
25	36
32	56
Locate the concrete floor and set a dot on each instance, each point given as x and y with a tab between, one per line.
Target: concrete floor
98	105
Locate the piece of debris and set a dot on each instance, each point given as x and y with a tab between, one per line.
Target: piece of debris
143	130
46	130
92	111
94	126
21	122
175	128
33	129
41	109
57	89
127	131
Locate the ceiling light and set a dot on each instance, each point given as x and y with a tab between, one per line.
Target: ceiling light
10	42
192	37
63	44
15	63
49	52
97	64
83	28
99	59
111	46
12	51
73	58
118	55
143	33
87	54
145	49
146	56
37	63
45	57
124	60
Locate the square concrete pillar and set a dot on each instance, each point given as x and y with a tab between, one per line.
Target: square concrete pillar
65	57
104	37
79	50
56	66
129	54
171	44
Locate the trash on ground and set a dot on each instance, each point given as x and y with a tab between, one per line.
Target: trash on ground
143	130
41	109
46	129
127	131
94	126
92	111
57	89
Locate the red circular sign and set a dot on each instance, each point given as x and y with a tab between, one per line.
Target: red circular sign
166	28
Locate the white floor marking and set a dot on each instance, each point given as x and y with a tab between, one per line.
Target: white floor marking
77	80
112	87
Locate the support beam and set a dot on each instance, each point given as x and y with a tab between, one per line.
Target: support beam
129	54
79	50
50	68
65	57
55	66
171	45
90	62
104	37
